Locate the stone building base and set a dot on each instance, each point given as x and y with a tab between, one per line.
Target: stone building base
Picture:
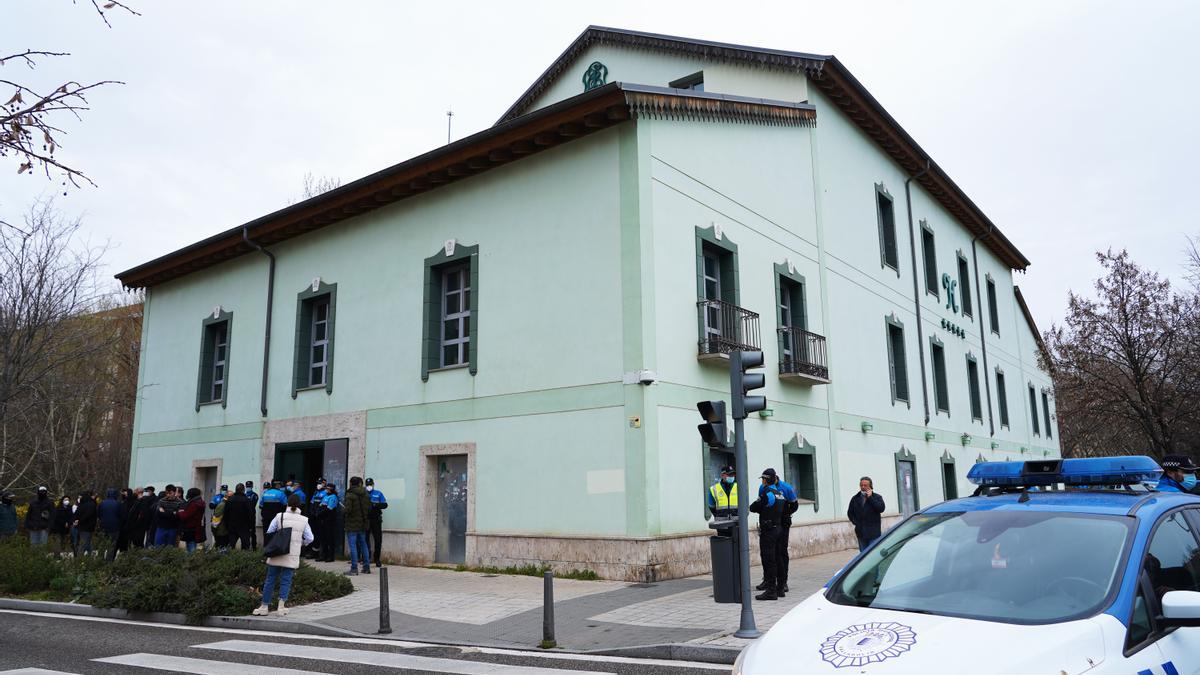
617	558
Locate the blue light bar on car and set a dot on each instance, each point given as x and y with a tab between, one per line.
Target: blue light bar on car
1081	471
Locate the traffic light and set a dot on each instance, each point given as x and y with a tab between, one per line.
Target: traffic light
742	382
713	430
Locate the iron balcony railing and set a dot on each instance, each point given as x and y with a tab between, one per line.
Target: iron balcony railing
802	353
725	328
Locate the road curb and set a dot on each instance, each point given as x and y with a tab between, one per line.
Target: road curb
668	651
673	652
225	622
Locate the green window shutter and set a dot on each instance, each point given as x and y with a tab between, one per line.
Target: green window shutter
303	348
1033	413
941	390
1002	398
973	388
898	366
431	313
964	284
929	256
208	333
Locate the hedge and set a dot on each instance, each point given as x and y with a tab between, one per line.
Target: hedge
197	585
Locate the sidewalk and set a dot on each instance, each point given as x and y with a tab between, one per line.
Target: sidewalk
506	610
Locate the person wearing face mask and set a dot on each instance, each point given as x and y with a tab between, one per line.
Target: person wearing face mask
60	527
314	507
37	520
722	497
8	516
1179	474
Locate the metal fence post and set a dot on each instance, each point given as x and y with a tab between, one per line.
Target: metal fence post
385	610
548	641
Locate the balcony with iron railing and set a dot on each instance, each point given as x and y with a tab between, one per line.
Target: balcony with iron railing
802	356
724	328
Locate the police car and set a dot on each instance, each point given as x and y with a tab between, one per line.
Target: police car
1058	566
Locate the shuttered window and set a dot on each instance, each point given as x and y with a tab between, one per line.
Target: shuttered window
885	213
964	286
316	311
213	381
451	310
897	364
929	254
1046	414
941	390
973	386
1002	398
1033	413
993	311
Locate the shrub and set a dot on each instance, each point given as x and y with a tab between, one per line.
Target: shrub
24	570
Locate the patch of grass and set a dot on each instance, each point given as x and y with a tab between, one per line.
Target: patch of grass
527	571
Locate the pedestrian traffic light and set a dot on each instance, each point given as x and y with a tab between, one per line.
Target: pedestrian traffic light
742	382
713	430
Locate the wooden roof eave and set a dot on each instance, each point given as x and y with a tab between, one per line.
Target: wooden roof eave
545	128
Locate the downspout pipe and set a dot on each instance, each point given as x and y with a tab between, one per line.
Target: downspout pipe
987	382
267	331
917	295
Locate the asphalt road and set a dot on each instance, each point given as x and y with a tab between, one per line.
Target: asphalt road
33	643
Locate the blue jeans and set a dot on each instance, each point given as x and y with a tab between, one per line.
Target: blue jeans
358	550
191	546
164	537
39	537
83	543
285	583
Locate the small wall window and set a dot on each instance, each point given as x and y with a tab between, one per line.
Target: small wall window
897	363
973	385
315	311
801	470
929	253
949	477
213	384
456	315
964	285
993	312
1002	398
941	390
1046	413
451	309
1033	412
885	213
695	82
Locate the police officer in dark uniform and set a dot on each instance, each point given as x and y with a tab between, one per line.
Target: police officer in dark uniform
375	521
790	504
252	496
770	508
273	501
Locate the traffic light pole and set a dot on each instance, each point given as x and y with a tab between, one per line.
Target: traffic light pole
746	627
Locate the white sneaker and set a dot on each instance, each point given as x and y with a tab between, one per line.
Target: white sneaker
283	610
260	611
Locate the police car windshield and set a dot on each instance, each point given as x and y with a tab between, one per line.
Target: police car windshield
1011	566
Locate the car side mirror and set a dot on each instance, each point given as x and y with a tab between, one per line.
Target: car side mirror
1180	608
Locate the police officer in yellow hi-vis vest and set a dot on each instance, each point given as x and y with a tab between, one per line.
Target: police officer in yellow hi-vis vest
722	496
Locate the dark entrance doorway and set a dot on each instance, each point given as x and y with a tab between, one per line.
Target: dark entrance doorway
306	461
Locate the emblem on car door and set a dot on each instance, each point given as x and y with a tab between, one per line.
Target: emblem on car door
866	643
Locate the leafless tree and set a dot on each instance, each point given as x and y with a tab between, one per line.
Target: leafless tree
314	185
1193	261
1126	366
31	118
48	283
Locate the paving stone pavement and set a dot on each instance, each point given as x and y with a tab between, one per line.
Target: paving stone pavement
506	610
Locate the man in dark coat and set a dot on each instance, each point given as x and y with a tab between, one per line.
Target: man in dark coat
139	530
39	518
239	517
864	510
109	513
85	523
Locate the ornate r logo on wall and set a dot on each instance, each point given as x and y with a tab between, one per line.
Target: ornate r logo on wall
950	285
595	76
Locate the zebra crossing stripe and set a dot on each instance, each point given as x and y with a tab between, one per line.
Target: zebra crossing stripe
183	664
33	671
382	659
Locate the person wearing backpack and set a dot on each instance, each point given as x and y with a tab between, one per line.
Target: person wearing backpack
281	567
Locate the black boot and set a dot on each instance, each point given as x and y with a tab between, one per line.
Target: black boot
761	587
785	588
768	594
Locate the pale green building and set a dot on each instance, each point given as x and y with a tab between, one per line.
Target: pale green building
510	333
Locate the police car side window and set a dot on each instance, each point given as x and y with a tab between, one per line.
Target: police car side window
1173	558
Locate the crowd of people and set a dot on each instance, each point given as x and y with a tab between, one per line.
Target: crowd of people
143	517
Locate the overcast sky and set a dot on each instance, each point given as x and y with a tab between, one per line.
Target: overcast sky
1071	124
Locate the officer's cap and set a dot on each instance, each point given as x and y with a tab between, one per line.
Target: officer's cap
1181	462
728	469
370	481
224	488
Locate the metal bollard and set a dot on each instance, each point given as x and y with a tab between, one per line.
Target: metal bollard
548	641
385	611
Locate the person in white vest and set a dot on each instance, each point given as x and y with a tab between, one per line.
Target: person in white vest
283	566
